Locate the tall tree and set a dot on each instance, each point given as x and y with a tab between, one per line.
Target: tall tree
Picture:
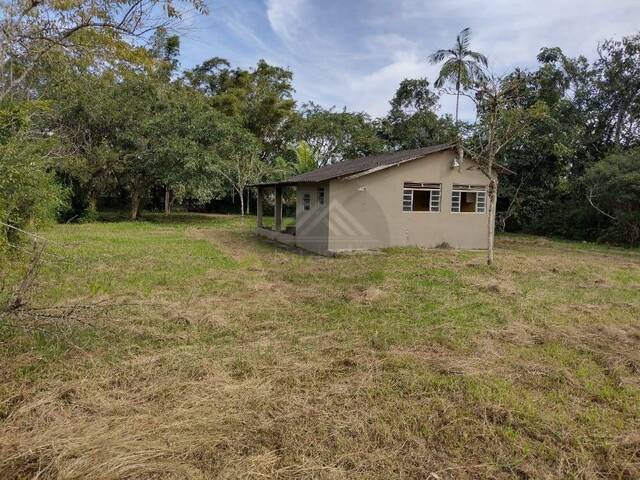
239	162
501	118
260	99
412	121
30	30
335	136
613	190
461	65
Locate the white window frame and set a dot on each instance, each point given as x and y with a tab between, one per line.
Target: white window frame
306	201
321	194
435	199
481	198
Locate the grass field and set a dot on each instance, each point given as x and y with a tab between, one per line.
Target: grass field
188	348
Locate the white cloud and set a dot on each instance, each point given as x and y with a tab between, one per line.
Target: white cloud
286	17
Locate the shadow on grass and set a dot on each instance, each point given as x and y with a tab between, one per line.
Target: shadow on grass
116	216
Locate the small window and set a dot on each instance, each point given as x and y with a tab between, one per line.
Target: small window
468	199
306	201
421	197
321	196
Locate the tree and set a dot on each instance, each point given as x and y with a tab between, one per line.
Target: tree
335	136
413	96
541	156
501	118
29	193
260	99
236	158
613	190
412	121
30	30
165	49
462	66
305	158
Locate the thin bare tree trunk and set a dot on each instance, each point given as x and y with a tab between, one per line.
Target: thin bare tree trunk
458	90
167	201
135	204
491	226
241	203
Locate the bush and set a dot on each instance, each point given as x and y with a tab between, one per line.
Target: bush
29	192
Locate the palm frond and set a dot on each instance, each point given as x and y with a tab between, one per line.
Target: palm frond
439	56
463	40
474	71
448	72
478	57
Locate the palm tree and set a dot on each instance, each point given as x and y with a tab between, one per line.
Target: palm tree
462	65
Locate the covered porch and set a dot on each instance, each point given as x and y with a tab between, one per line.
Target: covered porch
278	230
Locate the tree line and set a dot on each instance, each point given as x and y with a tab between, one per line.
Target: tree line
95	106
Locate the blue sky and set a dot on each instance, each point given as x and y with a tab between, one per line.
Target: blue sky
354	53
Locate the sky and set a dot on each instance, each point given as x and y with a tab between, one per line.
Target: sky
354	53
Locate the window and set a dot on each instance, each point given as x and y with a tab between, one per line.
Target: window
468	199
306	201
321	196
421	197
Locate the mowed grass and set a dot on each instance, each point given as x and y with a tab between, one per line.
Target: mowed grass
188	348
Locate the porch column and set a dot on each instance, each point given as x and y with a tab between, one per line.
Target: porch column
277	221
259	207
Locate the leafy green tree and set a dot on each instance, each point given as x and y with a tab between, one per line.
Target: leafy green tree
29	193
31	30
541	156
238	160
165	49
260	100
502	118
305	158
412	121
462	66
613	191
336	136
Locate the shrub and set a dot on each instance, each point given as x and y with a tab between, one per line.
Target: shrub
29	192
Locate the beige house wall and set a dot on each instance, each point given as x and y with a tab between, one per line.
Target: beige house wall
312	226
366	212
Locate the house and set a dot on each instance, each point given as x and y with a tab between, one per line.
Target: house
424	197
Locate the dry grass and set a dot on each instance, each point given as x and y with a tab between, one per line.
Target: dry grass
214	355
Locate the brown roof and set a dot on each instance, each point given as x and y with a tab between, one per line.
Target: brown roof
362	164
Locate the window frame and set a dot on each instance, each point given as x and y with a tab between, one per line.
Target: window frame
306	201
480	203
435	196
321	196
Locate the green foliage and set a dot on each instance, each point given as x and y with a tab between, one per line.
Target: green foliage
306	159
412	121
462	66
613	189
29	193
593	113
260	100
336	136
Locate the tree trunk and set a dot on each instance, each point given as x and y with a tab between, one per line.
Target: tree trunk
92	202
248	207
135	204
241	203
167	201
491	225
458	90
